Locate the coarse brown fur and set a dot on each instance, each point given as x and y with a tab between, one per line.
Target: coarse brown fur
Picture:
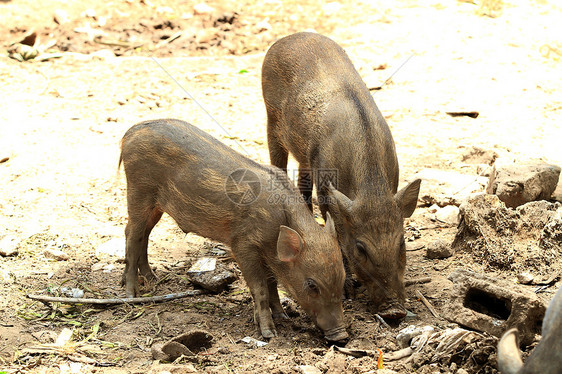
319	109
172	167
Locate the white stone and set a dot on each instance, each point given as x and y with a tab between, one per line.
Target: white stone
203	8
308	369
55	254
448	215
98	267
61	16
9	246
263	26
91	13
525	277
112	247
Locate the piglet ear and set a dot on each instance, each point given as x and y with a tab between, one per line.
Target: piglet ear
407	198
330	227
289	244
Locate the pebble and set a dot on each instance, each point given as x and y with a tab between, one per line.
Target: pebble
525	277
252	341
55	254
112	247
61	16
448	214
9	246
308	369
203	8
439	249
263	26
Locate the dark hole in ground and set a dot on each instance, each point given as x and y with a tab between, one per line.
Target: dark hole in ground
486	303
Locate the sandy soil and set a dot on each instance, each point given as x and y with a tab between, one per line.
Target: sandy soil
61	121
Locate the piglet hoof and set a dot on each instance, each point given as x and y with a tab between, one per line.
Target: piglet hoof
280	316
131	292
337	335
268	333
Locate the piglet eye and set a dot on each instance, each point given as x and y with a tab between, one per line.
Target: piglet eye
311	287
361	248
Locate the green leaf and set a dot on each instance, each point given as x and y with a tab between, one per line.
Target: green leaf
243	71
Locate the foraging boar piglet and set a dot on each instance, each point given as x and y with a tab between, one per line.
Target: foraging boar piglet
319	109
213	191
546	358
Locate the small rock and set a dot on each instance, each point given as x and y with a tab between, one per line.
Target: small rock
308	369
55	254
203	264
439	249
164	9
206	35
448	214
517	184
61	16
102	21
525	278
252	341
108	268
462	371
214	281
97	267
203	8
72	292
433	209
263	26
9	246
90	13
112	247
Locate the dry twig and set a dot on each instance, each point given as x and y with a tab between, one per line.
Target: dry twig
422	280
132	300
427	304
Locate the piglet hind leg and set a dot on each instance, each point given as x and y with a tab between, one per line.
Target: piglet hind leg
278	154
136	258
255	275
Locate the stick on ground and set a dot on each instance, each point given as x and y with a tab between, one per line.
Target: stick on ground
132	300
409	282
427	304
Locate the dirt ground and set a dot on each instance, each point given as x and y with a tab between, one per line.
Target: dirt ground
61	121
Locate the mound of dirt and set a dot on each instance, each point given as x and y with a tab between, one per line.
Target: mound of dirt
526	238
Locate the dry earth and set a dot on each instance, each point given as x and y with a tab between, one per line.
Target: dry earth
61	121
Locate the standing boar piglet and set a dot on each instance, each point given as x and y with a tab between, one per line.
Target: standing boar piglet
213	191
319	109
546	358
